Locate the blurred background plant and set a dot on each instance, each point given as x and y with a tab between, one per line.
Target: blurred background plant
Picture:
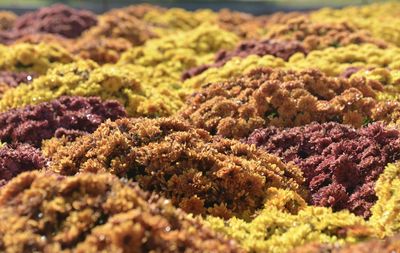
251	6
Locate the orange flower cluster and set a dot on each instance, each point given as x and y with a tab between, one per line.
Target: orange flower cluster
122	23
200	173
43	212
281	98
7	20
316	35
243	24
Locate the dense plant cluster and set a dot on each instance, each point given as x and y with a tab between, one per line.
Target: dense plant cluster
152	129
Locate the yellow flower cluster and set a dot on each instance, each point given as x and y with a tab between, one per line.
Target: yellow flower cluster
331	61
386	212
33	58
274	230
334	61
171	55
86	78
176	19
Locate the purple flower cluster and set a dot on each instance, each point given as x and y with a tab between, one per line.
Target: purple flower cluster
56	19
13	79
17	158
70	116
340	163
282	49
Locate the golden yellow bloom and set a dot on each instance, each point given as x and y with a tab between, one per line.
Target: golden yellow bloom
33	58
389	78
182	50
331	61
86	78
276	230
334	61
386	212
177	19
